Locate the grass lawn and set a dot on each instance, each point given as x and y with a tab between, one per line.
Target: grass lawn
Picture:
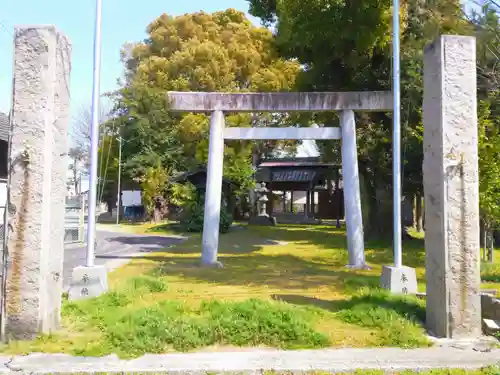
283	286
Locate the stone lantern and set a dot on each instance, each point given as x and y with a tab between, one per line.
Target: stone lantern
262	199
262	218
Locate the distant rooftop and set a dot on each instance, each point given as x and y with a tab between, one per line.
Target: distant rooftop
294	162
4	127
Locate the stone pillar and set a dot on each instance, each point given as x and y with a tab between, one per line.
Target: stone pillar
337	198
308	203
37	181
352	195
213	193
270	196
450	173
313	203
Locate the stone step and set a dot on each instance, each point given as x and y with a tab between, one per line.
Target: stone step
491	326
490	292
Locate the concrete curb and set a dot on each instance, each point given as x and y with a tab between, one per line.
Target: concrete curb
257	361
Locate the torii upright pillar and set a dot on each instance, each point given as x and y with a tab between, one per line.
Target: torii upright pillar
211	219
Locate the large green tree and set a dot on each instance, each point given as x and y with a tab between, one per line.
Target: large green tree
489	168
347	46
222	51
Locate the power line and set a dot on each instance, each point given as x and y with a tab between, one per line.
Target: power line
107	159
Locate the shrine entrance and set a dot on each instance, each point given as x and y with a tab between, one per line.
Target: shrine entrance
219	103
302	190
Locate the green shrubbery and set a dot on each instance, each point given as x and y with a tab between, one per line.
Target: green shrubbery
192	220
398	319
132	332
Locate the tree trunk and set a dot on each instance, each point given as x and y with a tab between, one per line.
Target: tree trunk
252	194
491	250
75	175
414	210
377	210
418	212
483	242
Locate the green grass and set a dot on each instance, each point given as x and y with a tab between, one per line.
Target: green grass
131	330
397	319
172	325
490	272
292	293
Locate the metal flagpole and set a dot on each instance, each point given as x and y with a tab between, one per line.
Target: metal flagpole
396	140
94	141
118	193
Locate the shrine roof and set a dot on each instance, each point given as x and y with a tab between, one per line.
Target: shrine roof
4	127
294	162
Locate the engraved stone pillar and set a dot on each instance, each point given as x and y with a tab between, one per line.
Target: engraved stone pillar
450	172
37	180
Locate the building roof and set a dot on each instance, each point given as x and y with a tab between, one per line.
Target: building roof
4	127
294	162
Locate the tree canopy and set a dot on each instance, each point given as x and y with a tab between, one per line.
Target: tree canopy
222	51
348	46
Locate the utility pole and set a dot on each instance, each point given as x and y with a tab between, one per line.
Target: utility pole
94	139
396	140
119	193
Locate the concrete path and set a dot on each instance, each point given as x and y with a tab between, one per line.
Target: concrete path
254	361
115	249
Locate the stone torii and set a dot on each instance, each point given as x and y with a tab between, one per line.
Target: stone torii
344	102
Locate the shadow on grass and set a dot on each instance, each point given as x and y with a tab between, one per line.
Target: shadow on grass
147	243
405	307
173	227
290	264
328	237
281	271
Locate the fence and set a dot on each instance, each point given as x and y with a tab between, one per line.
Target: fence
74	224
3	204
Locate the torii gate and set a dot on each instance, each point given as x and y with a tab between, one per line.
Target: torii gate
344	102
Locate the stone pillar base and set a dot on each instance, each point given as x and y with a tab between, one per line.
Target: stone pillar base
363	266
263	220
87	282
216	264
399	280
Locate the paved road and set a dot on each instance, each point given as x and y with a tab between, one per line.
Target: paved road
114	248
256	361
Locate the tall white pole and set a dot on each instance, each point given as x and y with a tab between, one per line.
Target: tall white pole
396	140
94	141
118	193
